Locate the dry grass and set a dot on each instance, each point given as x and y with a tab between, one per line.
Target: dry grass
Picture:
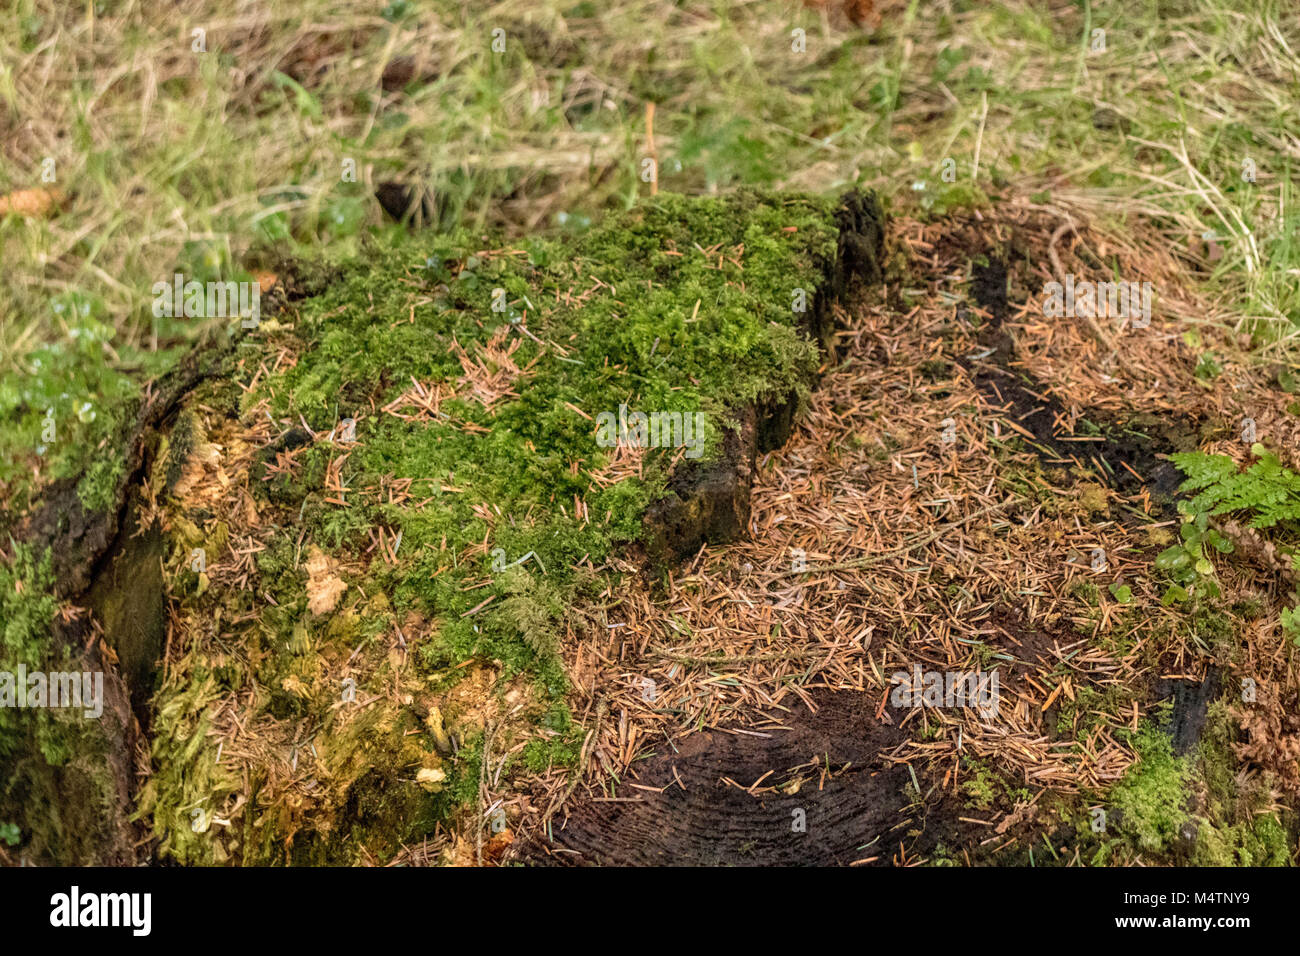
179	159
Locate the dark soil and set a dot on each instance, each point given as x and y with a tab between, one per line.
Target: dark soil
1031	406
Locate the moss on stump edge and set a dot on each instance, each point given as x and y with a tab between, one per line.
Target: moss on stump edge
376	514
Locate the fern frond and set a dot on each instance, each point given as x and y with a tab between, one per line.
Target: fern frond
1203	470
1266	489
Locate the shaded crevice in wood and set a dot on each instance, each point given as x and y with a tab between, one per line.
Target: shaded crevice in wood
710	502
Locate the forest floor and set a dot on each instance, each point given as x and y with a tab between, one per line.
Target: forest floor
755	715
932	593
367	590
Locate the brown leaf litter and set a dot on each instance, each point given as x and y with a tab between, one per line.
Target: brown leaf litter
954	553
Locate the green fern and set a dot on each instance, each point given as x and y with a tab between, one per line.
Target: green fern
1270	492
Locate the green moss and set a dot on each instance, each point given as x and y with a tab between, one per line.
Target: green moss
952	197
1089	711
188	786
1260	841
27	609
186	436
68	414
1086	591
1206	624
1152	796
638	338
984	787
980	790
1213	628
1238	824
55	789
678	305
559	743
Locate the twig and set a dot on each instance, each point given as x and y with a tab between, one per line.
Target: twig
1102	339
650	146
747	659
602	708
489	734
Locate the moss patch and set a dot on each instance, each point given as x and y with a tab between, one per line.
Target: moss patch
429	423
1152	796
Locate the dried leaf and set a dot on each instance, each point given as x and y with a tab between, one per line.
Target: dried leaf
31	203
324	588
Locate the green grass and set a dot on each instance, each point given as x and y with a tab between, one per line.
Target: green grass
202	161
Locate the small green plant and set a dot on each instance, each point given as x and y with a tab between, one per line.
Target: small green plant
10	833
1268	490
1291	620
1208	367
1186	563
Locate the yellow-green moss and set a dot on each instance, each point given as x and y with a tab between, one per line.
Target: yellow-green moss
1237	823
1152	796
